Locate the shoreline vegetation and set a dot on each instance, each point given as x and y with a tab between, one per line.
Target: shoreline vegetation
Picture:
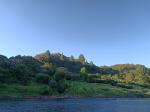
77	91
56	76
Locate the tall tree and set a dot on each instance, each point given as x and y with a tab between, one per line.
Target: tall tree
62	57
71	58
82	58
47	54
91	63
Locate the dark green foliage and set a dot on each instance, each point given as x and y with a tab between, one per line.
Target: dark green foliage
60	73
45	91
22	73
92	78
72	76
42	78
53	84
4	62
60	77
4	78
61	86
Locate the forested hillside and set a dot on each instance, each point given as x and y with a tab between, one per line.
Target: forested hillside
56	74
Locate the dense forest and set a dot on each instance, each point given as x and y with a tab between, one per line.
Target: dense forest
54	74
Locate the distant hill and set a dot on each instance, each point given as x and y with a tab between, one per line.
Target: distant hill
57	74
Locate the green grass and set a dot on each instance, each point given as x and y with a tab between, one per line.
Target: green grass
16	90
82	89
102	90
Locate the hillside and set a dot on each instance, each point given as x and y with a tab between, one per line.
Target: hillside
53	74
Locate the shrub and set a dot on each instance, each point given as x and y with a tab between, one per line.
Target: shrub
45	91
91	78
52	84
60	73
83	73
62	86
22	74
60	78
42	78
3	78
72	76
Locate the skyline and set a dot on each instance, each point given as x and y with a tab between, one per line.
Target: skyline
107	32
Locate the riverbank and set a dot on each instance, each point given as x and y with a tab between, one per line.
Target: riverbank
76	90
70	97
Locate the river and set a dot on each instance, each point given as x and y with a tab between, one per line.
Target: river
76	105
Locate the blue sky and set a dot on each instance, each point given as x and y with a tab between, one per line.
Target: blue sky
105	31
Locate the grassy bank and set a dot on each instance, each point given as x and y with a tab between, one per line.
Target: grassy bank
104	90
16	90
76	89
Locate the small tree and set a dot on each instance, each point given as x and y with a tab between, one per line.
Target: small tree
60	77
82	59
83	73
91	63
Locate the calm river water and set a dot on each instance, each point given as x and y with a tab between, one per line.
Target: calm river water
77	105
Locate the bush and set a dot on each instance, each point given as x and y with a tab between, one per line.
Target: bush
60	78
42	78
45	91
72	76
60	73
3	78
83	73
53	84
62	86
91	78
22	74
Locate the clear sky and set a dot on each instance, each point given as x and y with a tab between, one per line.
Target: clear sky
105	31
